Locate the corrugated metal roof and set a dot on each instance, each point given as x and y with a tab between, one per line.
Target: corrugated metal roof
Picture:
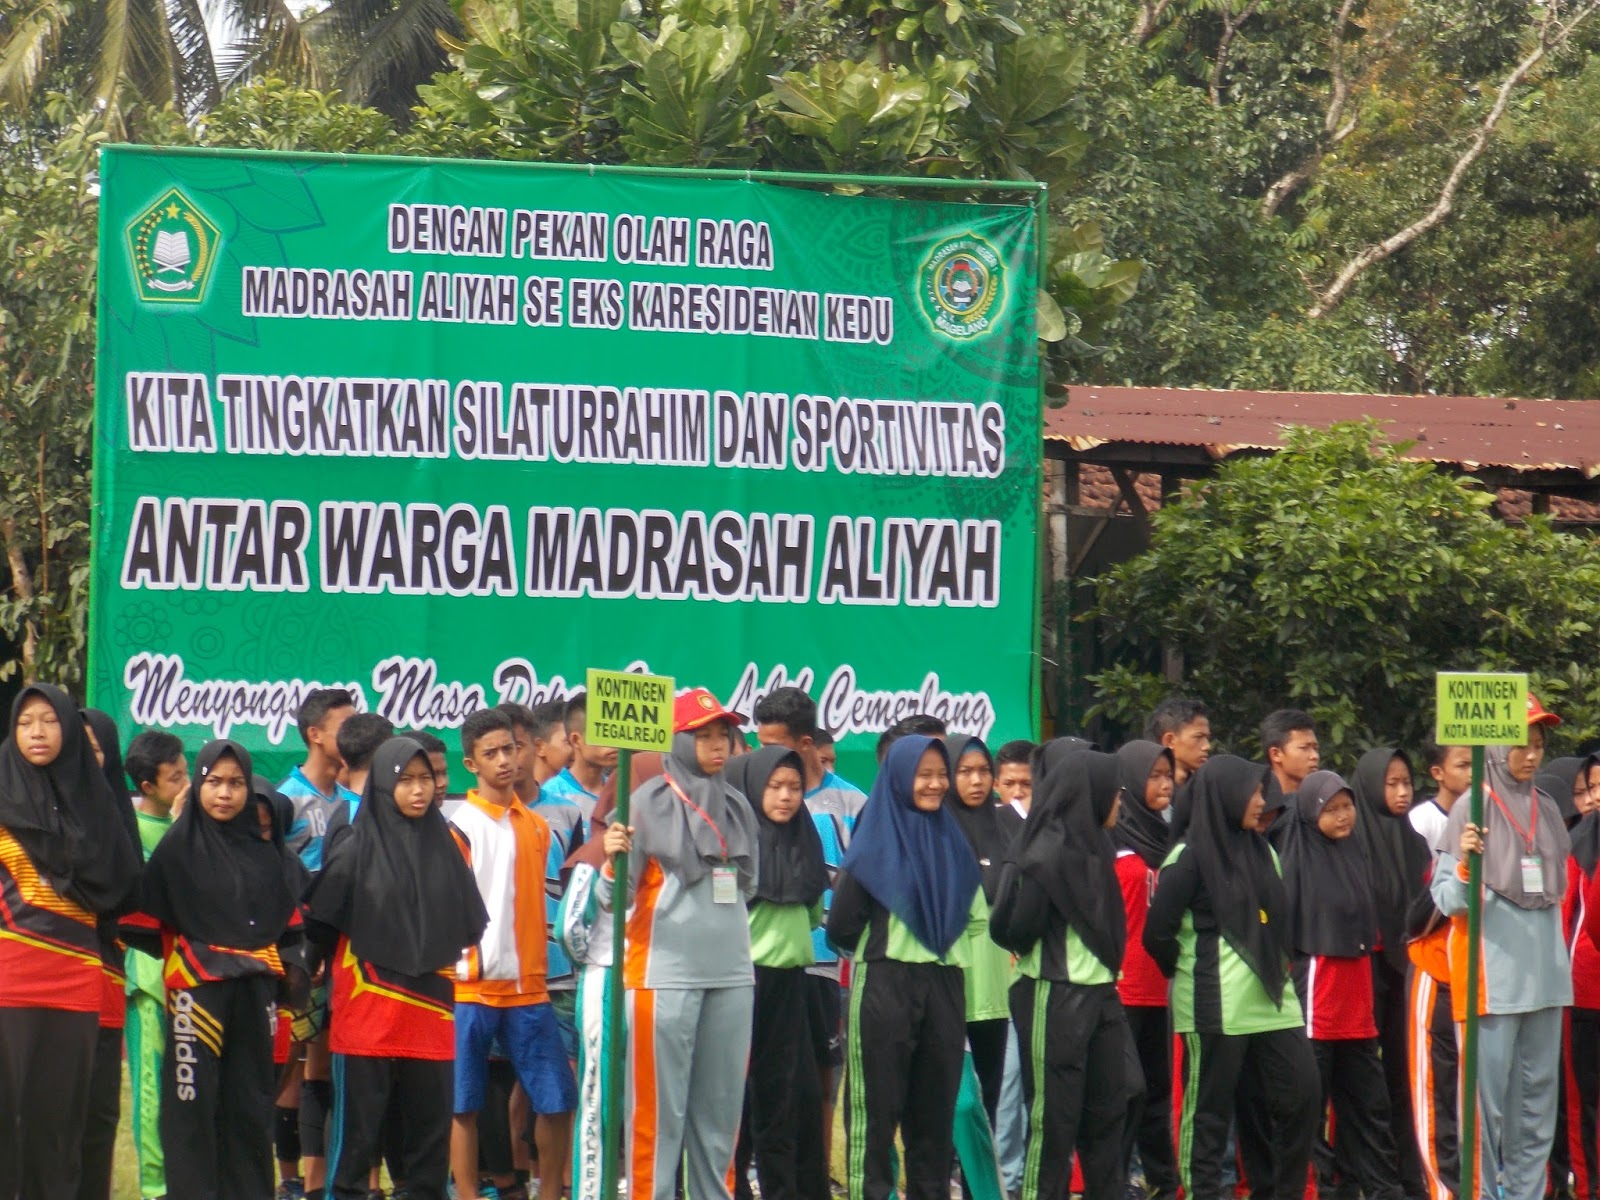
1474	432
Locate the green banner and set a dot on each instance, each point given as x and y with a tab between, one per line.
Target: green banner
449	433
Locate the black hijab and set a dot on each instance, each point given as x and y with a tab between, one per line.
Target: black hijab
1586	833
1063	848
219	883
105	732
1050	755
1332	911
792	867
1237	870
980	823
1556	779
398	887
1148	834
65	816
1397	856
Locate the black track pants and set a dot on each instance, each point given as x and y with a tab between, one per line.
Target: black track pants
1282	1080
46	1061
782	1125
1152	1038
363	1091
903	1071
1354	1088
217	1091
1080	1080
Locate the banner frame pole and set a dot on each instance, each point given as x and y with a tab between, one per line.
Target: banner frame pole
752	176
1469	1050
616	1027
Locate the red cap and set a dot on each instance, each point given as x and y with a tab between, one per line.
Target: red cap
1537	714
698	707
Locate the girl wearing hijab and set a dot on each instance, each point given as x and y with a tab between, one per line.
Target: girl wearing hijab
1218	927
105	1084
1060	910
391	910
1333	922
1398	861
66	861
585	931
783	1096
1142	837
224	892
692	865
906	895
1579	1108
1526	970
988	972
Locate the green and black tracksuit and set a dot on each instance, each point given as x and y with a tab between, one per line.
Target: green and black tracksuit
1232	1031
907	1032
1081	1078
782	1125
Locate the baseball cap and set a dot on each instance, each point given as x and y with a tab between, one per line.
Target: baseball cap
1537	714
698	707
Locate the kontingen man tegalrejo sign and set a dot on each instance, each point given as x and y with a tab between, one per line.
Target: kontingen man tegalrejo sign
449	433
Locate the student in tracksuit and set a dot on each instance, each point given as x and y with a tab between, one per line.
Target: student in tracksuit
1218	927
1060	908
1333	919
988	973
391	911
105	1086
224	892
688	971
1397	859
157	767
907	894
1581	1083
1557	778
1431	1050
586	931
1526	972
1143	839
783	1095
66	861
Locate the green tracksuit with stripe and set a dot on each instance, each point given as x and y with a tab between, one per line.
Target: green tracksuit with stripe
908	1024
1233	1034
1080	1072
146	1041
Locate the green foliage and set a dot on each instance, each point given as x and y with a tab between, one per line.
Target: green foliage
47	244
857	117
1338	577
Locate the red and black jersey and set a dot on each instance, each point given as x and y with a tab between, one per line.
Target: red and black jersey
382	1014
1337	996
186	963
1141	983
49	947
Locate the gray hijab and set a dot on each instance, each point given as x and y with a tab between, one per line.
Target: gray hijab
686	842
1504	847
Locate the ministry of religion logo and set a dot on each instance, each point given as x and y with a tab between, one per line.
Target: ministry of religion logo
174	247
962	286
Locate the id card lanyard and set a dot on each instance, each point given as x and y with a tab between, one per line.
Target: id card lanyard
724	885
1532	866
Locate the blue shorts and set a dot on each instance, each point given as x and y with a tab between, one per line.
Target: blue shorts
531	1039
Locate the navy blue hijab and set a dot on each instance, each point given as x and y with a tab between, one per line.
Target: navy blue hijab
918	865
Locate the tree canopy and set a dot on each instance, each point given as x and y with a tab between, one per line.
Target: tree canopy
1383	195
1337	577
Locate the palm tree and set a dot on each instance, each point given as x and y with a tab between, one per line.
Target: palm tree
126	53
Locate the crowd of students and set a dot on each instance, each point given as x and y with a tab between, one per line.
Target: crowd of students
1043	970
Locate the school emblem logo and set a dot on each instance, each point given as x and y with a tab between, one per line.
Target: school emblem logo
962	287
174	247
